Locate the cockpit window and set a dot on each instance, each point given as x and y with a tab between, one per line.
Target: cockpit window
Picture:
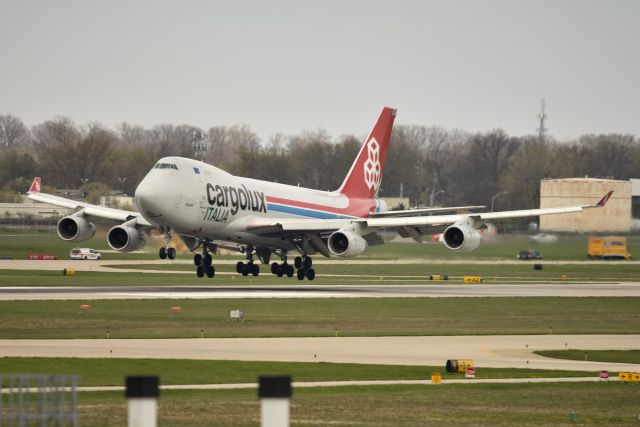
165	166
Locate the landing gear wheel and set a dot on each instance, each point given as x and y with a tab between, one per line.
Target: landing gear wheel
297	262
200	271
307	263
301	274
311	274
207	259
289	270
197	259
240	268
280	273
171	253
275	268
163	253
255	269
212	271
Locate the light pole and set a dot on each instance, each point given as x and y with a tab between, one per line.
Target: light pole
432	197
495	196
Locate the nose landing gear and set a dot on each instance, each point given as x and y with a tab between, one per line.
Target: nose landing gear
167	251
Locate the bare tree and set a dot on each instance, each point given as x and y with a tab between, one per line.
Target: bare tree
12	131
55	142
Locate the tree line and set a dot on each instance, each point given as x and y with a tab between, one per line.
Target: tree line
430	165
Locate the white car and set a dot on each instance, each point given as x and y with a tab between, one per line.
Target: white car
543	238
84	253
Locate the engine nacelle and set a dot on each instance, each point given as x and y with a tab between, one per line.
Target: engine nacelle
75	228
346	243
124	238
461	238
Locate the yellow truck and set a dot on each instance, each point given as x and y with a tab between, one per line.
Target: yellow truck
611	247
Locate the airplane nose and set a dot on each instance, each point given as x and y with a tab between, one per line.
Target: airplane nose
152	197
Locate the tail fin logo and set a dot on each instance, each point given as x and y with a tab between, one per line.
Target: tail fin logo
35	186
372	167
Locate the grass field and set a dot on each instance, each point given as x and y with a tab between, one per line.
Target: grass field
569	247
112	371
311	317
617	356
444	405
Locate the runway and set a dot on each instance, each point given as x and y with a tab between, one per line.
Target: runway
106	265
321	291
357	383
511	351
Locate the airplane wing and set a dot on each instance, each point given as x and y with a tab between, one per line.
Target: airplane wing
425	211
87	208
412	225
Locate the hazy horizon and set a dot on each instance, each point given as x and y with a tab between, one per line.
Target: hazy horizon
286	66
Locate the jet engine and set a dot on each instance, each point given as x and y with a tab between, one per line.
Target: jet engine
346	243
76	228
461	237
125	238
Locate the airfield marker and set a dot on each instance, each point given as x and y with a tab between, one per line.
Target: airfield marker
274	393
142	395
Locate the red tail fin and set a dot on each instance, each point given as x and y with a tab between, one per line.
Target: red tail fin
35	186
363	179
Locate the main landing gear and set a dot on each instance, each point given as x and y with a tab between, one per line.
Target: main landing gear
249	267
282	269
167	251
203	263
304	264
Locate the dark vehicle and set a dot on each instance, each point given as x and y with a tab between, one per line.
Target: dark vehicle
525	255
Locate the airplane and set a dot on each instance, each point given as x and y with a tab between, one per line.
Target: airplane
209	208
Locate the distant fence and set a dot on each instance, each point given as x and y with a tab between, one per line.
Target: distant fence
38	400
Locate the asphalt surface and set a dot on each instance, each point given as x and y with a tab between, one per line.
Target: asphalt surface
511	351
306	290
316	384
106	265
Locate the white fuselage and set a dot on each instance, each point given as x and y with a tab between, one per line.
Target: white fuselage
199	200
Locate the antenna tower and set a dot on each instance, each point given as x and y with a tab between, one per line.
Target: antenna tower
200	144
542	117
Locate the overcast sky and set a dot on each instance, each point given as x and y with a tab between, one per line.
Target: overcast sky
287	66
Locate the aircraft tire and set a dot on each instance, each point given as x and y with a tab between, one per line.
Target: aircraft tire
255	269
171	253
239	267
308	263
297	262
207	259
300	274
289	271
197	259
200	271
163	253
311	274
211	271
275	268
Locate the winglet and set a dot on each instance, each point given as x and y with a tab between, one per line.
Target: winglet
604	200
35	186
